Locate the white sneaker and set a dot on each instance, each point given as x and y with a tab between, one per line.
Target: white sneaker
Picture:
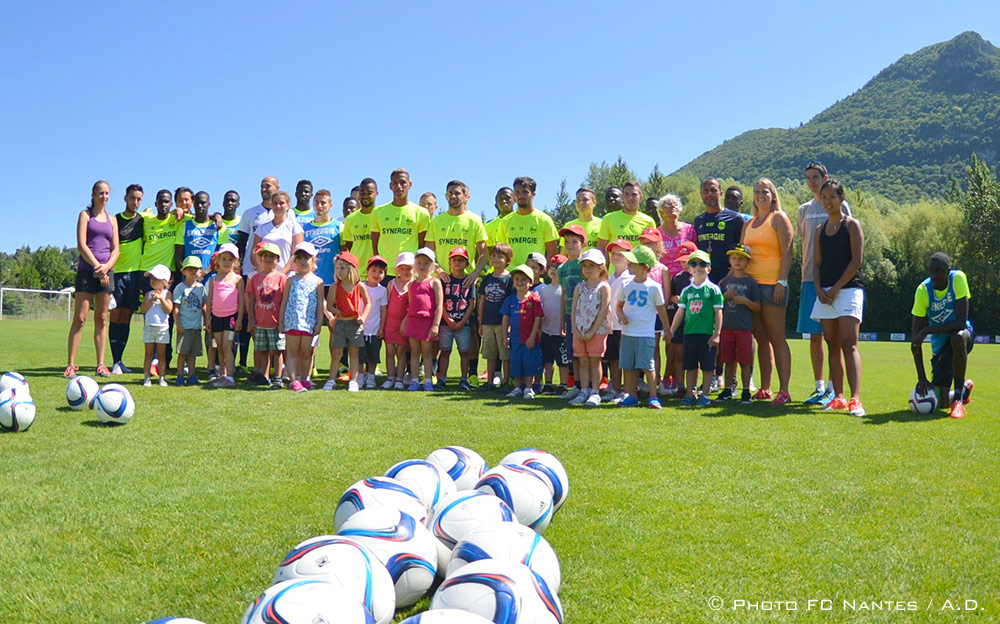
163	381
117	369
593	400
330	384
608	396
571	394
388	384
406	379
752	388
529	393
619	398
580	398
716	384
361	379
516	393
399	385
352	386
147	382
370	382
496	381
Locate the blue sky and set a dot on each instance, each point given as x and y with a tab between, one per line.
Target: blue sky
216	95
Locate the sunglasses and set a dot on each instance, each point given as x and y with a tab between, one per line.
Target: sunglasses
697	263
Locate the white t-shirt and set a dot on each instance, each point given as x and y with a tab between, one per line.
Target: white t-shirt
617	284
379	297
811	215
551	296
280	236
248	225
156	317
641	300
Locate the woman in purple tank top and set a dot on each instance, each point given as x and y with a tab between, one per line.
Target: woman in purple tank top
97	241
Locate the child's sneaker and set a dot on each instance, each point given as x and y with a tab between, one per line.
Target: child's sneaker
352	386
179	381
362	379
486	387
837	403
763	395
781	399
370	382
815	397
516	393
277	384
716	384
297	386
193	381
388	384
855	407
463	385
745	397
428	386
560	390
580	398
398	385
572	393
330	384
703	401
308	385
147	382
608	396
529	393
688	400
654	403
414	386
548	389
163	382
441	385
957	410
628	401
725	395
593	400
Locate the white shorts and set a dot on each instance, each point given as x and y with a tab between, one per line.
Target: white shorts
152	335
849	302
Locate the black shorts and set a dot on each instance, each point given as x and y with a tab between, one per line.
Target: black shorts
678	338
554	350
223	323
127	291
942	373
613	347
87	283
697	353
371	351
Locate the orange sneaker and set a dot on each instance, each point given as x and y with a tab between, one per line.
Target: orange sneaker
967	395
70	371
345	377
837	403
604	384
957	410
855	407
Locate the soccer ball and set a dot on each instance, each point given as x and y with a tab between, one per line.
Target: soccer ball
13	380
402	544
525	490
80	392
464	466
347	563
378	492
512	542
923	403
454	518
114	404
502	591
550	467
17	410
428	481
446	616
306	601
173	620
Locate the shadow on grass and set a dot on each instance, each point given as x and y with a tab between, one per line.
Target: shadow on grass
903	416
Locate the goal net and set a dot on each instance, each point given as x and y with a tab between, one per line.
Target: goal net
35	305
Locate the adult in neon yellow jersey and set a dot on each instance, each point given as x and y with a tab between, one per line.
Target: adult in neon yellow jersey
628	222
504	202
356	235
128	277
586	201
528	230
399	225
457	227
159	231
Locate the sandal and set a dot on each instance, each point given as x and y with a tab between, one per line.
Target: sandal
70	371
102	371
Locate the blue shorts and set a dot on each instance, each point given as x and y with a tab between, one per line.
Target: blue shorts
446	338
637	353
525	362
127	289
806	301
568	338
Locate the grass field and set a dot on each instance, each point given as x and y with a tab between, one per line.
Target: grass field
188	509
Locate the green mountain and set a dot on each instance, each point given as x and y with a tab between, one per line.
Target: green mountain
904	135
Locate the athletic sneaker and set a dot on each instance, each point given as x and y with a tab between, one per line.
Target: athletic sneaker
580	398
815	397
629	401
560	390
688	400
763	395
572	393
703	401
428	386
608	395
147	382
753	386
483	376
725	395
297	386
516	393
102	371
442	384
193	381
855	407
370	382
837	403
604	384
277	384
388	384
398	385
654	403
226	382
463	385
716	384
548	389
330	384
414	386
967	395
486	387
529	393
782	398
308	385
745	397
352	386
619	398
361	379
70	371
957	410
827	397
407	380
593	400
117	369
179	381
344	377
213	375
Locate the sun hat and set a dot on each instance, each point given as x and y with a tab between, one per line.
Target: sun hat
592	255
161	272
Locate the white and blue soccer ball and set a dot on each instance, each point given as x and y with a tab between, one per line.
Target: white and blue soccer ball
454	518
404	546
173	620
525	490
463	465
446	616
80	392
114	404
428	481
501	591
17	410
347	563
306	601
378	492
549	466
923	403
511	542
13	379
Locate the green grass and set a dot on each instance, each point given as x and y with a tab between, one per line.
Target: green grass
188	509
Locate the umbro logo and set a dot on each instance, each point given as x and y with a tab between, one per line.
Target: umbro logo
201	243
321	241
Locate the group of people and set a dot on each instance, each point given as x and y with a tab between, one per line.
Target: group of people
595	298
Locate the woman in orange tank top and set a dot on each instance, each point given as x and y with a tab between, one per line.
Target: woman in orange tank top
769	236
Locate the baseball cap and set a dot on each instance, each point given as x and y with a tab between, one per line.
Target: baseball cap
348	257
426	252
621	244
557	259
524	268
592	255
651	234
537	257
377	259
458	252
230	249
192	262
641	255
701	255
269	247
740	250
685	249
405	259
574	229
161	272
309	248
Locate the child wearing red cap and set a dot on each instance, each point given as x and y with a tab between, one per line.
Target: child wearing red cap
459	302
349	305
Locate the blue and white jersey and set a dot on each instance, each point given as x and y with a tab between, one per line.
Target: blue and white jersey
201	240
326	238
303	217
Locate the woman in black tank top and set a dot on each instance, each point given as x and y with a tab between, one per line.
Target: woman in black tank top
838	245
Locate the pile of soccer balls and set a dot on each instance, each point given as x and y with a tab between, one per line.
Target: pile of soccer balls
113	403
17	408
447	522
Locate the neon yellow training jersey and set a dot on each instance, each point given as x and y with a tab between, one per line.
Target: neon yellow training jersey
448	231
399	228
158	237
357	231
618	224
590	228
527	233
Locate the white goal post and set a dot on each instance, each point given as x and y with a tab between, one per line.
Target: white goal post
31	304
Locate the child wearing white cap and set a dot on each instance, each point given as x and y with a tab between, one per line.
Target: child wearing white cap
156	308
396	344
225	309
